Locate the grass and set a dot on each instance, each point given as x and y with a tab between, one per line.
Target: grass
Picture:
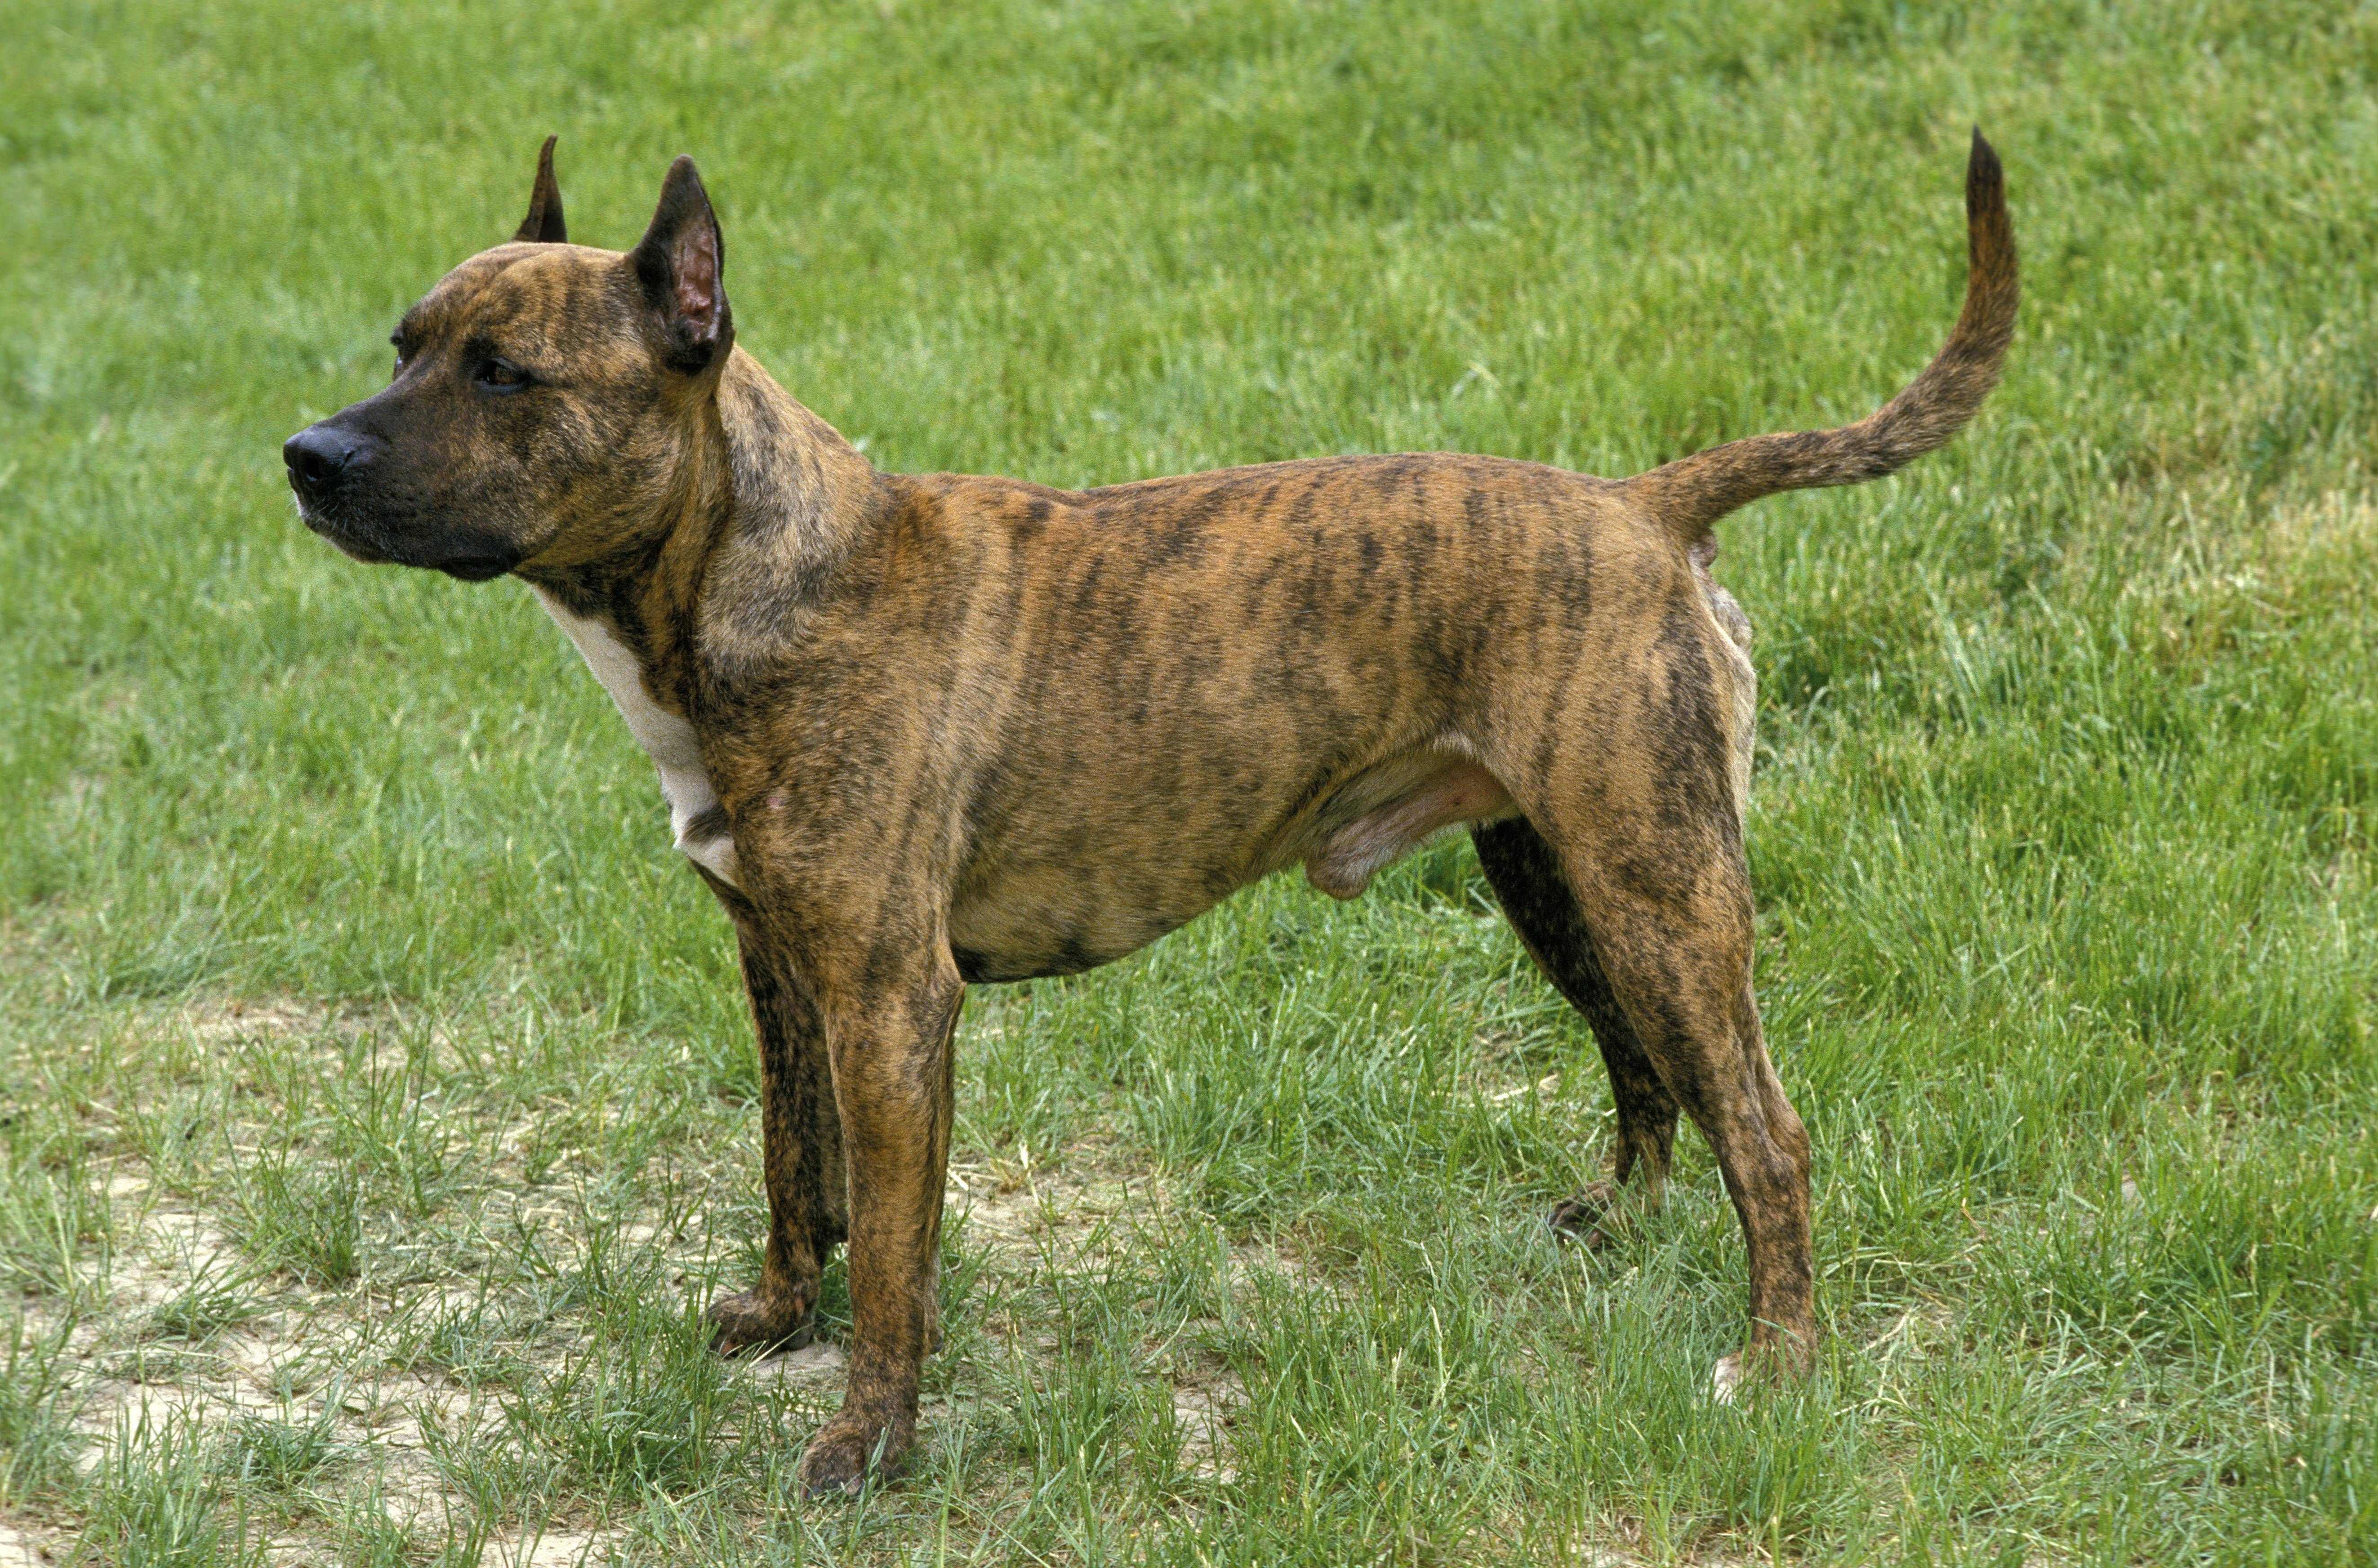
375	1100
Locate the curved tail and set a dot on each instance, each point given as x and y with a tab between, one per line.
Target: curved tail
1692	493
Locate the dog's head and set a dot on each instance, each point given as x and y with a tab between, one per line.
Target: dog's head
541	399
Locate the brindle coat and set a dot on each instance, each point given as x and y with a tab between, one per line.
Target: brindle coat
922	730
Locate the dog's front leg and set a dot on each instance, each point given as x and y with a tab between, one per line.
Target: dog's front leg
800	1134
889	1022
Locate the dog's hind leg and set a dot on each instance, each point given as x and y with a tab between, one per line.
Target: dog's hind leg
1526	878
1640	811
800	1136
1676	949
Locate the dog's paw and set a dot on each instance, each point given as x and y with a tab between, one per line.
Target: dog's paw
1591	1216
754	1324
1725	1379
851	1452
1768	1361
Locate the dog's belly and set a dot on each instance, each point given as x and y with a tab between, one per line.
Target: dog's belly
1060	914
1032	924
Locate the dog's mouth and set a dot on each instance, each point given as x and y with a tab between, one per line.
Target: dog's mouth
314	518
470	561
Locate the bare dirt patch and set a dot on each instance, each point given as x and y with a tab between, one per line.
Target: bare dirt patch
234	1019
1203	1410
556	1549
23	1546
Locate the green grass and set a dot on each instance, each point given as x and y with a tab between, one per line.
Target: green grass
375	1091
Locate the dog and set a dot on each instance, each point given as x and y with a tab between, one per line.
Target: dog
919	731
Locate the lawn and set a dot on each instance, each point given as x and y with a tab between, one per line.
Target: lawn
376	1100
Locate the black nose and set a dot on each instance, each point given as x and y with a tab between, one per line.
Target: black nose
319	458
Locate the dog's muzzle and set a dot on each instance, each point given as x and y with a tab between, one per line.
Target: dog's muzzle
328	468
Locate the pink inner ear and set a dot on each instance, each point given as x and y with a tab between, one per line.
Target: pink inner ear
696	266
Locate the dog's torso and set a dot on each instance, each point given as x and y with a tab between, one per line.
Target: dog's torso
1067	722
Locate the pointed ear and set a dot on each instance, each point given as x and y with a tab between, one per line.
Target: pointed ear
680	262
543	224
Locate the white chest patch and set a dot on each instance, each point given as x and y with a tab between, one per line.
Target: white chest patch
666	737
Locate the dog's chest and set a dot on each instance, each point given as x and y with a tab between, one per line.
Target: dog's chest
695	821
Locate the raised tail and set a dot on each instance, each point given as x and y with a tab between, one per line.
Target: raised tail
1692	493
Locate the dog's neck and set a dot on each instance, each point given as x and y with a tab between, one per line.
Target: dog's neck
768	501
801	501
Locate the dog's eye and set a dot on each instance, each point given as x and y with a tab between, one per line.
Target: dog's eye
502	375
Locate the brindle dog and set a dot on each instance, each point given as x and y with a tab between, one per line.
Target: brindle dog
921	730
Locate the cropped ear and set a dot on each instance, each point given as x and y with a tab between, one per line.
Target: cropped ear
680	261
543	224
